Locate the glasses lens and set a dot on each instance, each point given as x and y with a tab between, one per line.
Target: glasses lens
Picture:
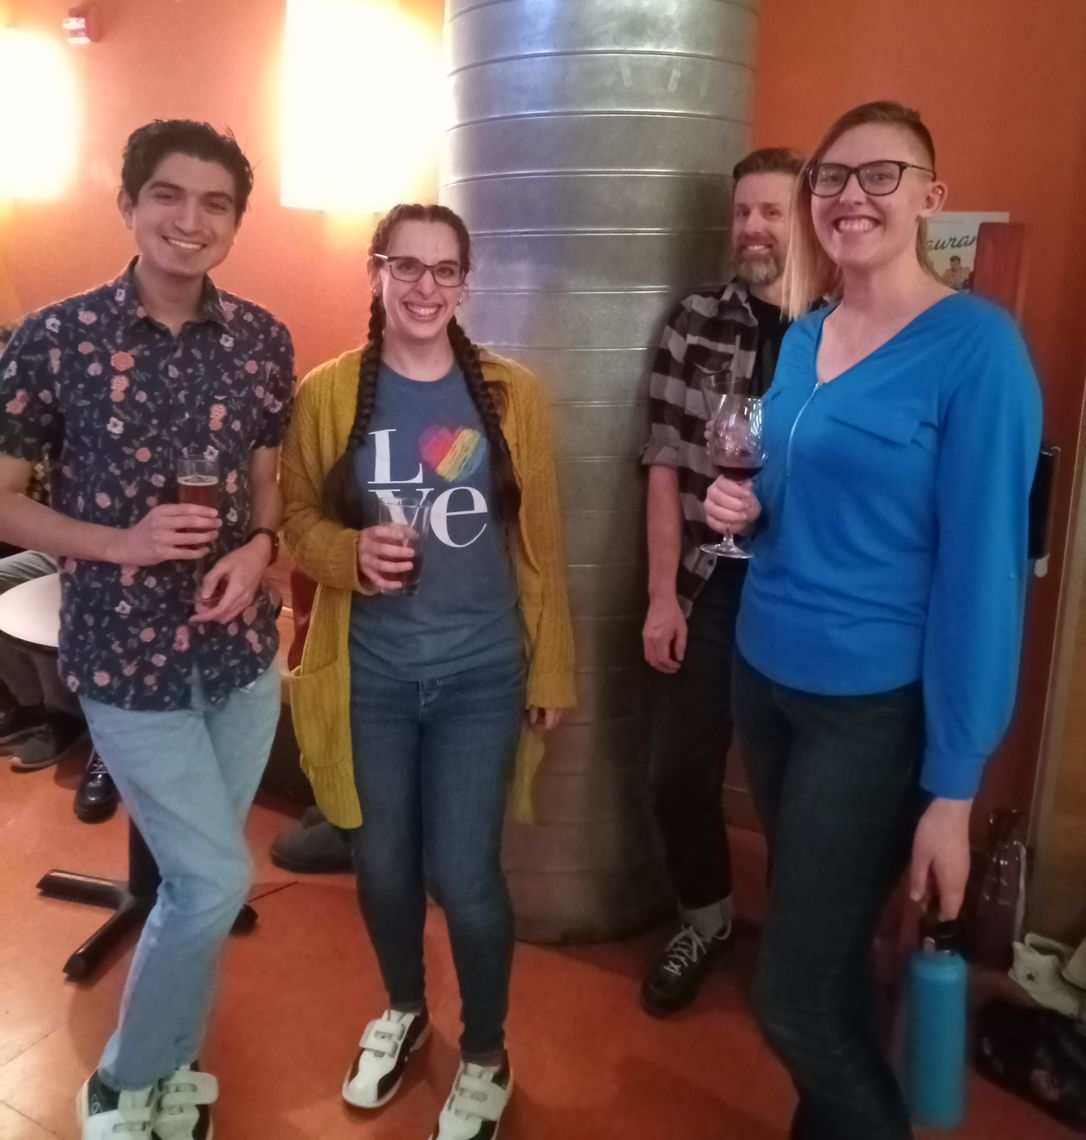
878	178
406	268
447	273
827	178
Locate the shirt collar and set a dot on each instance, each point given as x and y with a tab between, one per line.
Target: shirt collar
736	290
126	294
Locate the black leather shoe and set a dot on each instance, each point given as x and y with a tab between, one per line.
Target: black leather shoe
676	976
96	796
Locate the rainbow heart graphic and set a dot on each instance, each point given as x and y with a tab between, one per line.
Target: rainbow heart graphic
453	452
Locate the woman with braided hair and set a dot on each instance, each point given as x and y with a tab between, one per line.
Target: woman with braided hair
409	709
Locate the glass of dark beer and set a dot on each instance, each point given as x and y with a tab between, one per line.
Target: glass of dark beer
409	513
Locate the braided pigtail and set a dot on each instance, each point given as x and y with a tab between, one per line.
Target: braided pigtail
340	500
502	473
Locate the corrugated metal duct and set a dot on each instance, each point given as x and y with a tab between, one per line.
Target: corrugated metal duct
590	154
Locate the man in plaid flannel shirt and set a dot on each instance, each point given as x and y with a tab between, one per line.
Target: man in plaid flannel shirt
693	596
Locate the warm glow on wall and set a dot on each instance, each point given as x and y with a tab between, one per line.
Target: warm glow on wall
37	116
363	104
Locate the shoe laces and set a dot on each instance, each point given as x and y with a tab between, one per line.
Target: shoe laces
96	765
686	949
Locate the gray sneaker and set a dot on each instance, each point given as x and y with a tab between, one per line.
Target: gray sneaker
312	850
49	744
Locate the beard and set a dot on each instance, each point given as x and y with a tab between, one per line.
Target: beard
763	269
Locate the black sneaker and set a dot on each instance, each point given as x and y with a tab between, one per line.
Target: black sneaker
676	976
105	1113
184	1105
19	722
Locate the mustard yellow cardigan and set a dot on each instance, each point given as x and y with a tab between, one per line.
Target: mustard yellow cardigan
326	551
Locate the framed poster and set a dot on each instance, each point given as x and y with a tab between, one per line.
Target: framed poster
952	242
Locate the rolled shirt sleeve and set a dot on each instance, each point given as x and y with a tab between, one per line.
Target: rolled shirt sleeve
667	394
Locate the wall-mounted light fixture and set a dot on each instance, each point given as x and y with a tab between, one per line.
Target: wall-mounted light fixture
38	115
83	24
363	104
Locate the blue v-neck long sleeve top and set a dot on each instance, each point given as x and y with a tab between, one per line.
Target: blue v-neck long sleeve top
892	544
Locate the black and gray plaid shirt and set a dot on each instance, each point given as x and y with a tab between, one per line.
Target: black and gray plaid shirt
710	331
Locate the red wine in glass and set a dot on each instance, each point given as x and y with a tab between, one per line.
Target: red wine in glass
740	467
735	447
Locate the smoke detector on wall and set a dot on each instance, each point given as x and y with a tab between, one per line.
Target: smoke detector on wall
83	24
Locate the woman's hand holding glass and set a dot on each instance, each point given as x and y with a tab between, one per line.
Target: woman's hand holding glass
731	507
383	557
736	447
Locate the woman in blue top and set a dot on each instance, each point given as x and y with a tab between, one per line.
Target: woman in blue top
880	625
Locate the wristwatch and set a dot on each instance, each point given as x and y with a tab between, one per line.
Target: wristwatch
273	538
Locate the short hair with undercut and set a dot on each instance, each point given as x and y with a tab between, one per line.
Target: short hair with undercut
148	145
769	160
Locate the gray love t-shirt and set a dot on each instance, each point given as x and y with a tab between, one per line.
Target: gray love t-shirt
426	436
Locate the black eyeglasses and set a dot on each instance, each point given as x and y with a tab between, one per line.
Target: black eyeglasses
828	179
411	269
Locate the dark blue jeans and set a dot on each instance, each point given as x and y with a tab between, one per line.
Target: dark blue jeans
836	782
432	765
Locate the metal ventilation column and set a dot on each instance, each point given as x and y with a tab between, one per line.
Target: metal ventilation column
590	154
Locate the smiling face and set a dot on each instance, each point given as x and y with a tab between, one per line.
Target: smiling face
761	210
184	219
864	232
417	313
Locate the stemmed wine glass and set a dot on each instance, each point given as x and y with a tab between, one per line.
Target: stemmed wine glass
736	448
715	385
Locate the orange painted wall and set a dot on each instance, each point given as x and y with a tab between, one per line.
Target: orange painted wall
204	59
1002	86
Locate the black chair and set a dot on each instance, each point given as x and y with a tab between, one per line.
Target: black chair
131	899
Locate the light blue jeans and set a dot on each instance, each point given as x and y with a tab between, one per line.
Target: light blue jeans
187	777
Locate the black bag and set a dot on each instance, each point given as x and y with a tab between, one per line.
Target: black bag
1037	1054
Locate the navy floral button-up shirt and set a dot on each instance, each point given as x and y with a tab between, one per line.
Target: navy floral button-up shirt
112	397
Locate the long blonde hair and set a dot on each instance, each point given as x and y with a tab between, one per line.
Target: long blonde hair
809	272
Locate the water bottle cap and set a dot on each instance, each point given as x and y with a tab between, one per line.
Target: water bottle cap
938	937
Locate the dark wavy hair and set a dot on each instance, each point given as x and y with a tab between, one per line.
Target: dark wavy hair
340	499
148	145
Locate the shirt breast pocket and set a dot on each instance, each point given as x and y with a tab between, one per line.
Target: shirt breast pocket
874	447
893	426
707	360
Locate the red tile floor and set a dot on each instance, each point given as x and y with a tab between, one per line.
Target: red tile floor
296	992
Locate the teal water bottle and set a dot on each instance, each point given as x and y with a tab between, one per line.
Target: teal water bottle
935	1038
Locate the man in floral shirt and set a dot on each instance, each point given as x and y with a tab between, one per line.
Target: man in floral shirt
167	635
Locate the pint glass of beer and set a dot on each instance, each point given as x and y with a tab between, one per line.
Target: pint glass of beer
198	483
198	480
